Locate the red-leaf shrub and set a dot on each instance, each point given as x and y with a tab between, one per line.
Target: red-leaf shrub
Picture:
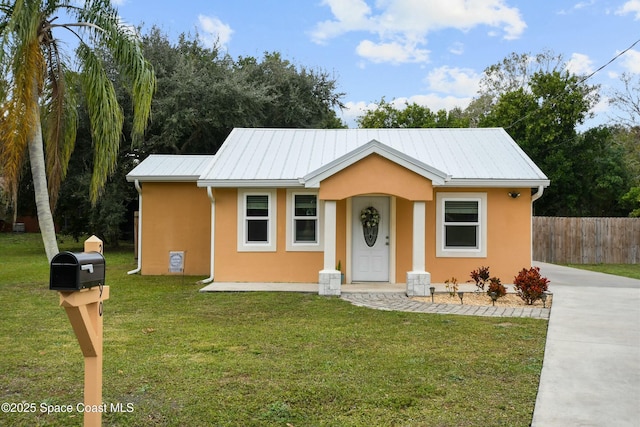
530	285
480	276
497	287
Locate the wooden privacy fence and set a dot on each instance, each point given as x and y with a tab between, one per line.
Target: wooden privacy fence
586	240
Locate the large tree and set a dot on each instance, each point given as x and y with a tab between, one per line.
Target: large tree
202	94
38	107
511	74
587	171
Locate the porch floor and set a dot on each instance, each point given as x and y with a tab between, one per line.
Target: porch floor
300	287
362	287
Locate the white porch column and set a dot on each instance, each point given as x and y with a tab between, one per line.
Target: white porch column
419	221
418	280
329	281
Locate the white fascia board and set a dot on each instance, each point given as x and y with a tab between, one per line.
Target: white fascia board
163	178
313	179
250	183
520	183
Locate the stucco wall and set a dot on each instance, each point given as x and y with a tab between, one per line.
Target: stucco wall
278	266
508	238
175	217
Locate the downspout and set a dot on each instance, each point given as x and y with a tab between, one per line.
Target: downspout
139	190
213	231
533	199
538	194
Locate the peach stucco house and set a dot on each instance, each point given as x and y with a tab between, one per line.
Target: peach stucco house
410	206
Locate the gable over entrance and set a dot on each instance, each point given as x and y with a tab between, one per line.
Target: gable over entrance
376	175
375	168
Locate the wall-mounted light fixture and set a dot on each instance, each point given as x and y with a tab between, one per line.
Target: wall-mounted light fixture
514	194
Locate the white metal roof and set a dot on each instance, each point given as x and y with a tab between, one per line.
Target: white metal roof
170	167
284	157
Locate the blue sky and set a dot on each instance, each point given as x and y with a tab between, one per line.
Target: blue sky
432	52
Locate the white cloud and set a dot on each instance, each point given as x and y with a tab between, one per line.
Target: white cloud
580	64
631	61
632	6
602	106
215	32
407	22
351	15
457	81
393	52
457	48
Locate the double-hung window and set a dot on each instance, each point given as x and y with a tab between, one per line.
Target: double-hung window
257	220
461	224
304	228
305	218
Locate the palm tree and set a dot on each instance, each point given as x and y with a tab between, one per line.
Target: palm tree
39	93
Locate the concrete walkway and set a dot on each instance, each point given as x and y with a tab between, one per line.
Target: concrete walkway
591	369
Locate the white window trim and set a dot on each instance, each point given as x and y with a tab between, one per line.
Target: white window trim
270	245
481	250
293	246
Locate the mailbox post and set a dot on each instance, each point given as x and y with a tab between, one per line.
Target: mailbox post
79	278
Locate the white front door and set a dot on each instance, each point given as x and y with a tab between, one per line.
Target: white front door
370	244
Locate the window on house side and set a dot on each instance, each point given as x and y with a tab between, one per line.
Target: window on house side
305	218
461	224
257	218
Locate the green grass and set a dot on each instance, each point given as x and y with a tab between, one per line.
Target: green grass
183	358
626	270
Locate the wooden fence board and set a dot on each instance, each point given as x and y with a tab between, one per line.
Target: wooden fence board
565	240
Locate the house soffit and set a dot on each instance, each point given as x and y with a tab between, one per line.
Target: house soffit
436	176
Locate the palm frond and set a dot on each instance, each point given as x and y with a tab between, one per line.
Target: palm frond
124	44
105	116
60	123
23	70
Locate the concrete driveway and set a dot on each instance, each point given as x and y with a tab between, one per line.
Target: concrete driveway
591	370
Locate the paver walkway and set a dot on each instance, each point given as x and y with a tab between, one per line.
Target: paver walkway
397	301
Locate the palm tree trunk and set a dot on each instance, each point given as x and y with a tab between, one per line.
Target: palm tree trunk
38	173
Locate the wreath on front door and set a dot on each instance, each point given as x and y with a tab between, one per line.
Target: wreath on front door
370	218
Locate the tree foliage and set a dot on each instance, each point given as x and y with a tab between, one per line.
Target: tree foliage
201	96
387	115
39	98
627	99
586	170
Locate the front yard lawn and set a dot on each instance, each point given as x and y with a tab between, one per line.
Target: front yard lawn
177	357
